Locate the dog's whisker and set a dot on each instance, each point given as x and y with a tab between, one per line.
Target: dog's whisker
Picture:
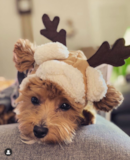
66	129
60	145
27	141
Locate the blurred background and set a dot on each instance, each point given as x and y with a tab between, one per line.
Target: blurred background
88	23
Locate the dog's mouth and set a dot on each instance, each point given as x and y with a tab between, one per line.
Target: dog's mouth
42	134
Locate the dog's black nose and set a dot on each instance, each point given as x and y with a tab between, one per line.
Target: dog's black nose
40	131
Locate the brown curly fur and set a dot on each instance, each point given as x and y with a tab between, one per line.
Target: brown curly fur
23	55
112	100
61	124
6	117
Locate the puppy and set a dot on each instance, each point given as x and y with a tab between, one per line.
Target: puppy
54	97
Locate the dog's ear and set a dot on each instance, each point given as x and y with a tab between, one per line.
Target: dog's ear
23	55
112	99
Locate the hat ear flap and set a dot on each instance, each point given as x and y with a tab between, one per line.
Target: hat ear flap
23	55
96	86
112	100
104	97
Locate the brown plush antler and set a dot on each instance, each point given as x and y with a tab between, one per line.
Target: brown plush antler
51	30
114	56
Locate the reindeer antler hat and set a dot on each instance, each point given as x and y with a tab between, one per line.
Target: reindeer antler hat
71	70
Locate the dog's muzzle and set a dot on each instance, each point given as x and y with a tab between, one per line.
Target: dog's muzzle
40	131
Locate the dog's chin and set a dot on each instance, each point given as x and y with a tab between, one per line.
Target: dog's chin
58	133
44	140
48	139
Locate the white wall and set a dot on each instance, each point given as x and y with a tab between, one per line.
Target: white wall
9	33
108	19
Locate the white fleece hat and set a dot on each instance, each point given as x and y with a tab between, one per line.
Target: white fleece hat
70	70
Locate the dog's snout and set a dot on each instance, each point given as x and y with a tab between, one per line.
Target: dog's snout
40	131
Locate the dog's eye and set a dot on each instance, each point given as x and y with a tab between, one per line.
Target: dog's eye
35	101
65	107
